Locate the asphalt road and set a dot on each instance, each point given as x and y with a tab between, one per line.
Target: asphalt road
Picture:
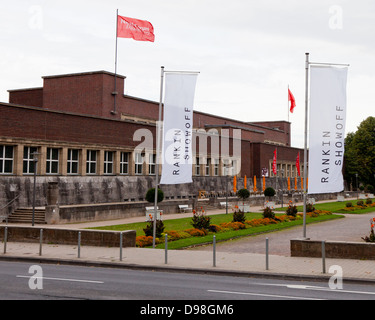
350	228
58	282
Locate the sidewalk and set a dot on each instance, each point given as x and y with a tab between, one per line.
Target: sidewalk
202	261
237	264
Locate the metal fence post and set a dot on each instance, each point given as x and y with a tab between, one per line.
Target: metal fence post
40	241
120	246
5	239
166	249
79	244
267	259
214	253
324	256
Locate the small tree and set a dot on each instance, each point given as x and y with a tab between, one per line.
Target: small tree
243	194
150	195
269	192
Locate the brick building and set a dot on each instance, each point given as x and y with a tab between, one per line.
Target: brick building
79	133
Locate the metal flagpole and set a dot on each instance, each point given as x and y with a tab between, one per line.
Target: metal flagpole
114	93
158	136
305	151
287	109
308	63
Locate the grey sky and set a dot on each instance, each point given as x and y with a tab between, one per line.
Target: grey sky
247	52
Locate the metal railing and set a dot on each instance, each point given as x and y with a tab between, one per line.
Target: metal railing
6	215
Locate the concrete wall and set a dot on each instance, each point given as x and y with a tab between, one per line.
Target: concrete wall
100	238
333	249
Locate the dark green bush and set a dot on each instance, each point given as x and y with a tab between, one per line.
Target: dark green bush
150	195
201	221
360	203
268	213
149	230
243	194
239	217
349	204
310	207
269	192
291	210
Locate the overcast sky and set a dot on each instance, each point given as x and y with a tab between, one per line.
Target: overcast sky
247	52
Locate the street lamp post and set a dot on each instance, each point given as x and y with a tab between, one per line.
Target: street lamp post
35	160
356	179
226	166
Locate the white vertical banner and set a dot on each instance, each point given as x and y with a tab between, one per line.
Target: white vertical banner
327	129
177	128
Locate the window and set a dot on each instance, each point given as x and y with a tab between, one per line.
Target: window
52	164
6	159
216	167
207	167
138	163
197	167
91	161
108	162
73	161
152	164
124	163
28	159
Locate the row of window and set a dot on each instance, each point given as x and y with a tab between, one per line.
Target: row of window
53	162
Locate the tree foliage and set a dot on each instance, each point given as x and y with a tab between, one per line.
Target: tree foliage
360	154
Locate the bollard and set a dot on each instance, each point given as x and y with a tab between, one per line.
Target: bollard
166	249
120	246
267	260
40	241
324	256
79	244
5	239
214	253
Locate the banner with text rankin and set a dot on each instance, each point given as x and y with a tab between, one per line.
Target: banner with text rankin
177	128
327	129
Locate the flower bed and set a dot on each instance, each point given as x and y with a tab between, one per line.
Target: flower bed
142	241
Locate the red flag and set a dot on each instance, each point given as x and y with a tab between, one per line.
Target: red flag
297	165
274	169
292	101
140	30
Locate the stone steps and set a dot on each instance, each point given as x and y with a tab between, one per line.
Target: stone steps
24	215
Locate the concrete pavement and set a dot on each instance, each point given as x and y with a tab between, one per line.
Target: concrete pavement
228	262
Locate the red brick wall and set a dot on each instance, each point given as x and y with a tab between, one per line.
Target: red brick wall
27	97
32	123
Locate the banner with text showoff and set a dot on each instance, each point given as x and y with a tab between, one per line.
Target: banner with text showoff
177	151
327	129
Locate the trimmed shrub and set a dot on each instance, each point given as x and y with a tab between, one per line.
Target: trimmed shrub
150	195
243	194
269	192
349	205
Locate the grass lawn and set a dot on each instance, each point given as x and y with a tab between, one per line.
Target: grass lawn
336	207
185	223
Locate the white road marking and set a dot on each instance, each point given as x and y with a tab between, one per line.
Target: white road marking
262	294
315	288
62	279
